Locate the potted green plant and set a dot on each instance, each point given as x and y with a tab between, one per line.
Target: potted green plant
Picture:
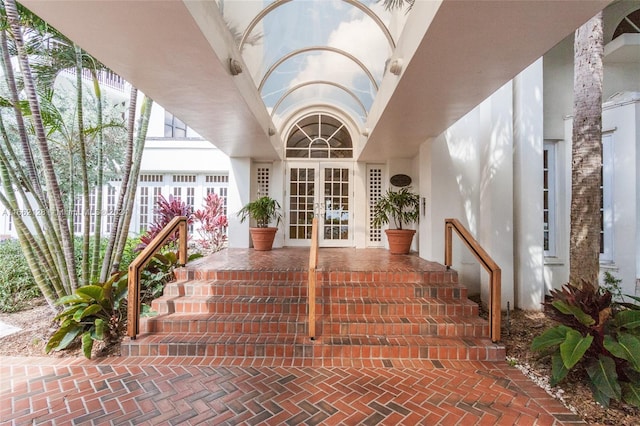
263	210
401	207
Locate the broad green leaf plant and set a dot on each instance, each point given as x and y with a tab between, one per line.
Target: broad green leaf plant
602	336
92	313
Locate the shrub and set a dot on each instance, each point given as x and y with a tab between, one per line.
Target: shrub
129	253
157	273
17	285
606	342
92	313
213	223
166	210
613	286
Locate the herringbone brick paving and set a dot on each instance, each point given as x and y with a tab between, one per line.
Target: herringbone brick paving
175	391
386	354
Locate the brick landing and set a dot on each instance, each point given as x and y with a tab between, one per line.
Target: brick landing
200	391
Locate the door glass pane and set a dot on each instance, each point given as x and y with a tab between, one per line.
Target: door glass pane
336	205
301	201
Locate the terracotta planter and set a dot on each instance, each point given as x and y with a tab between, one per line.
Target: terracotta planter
400	240
263	238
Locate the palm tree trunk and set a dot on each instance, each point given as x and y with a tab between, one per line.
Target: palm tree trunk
55	204
47	242
586	193
108	266
86	205
36	259
145	113
22	132
97	236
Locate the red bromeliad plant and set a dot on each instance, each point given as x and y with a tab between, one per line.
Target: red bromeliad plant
602	336
213	223
165	211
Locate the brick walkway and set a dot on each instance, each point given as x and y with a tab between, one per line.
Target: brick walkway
339	385
172	391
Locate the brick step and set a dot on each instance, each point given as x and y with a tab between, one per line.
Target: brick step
346	325
230	305
220	323
383	307
329	277
298	305
236	288
299	289
291	347
349	325
393	290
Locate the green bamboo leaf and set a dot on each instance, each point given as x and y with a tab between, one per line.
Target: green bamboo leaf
626	347
95	292
558	370
628	319
604	380
574	347
552	337
631	393
567	309
5	103
87	344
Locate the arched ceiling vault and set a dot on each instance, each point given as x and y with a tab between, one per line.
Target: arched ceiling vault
288	45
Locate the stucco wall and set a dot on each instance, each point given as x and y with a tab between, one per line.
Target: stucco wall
469	176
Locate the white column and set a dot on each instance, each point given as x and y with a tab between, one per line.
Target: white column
359	209
277	186
426	235
528	183
238	195
495	230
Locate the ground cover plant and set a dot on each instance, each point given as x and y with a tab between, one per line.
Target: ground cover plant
596	334
92	313
17	286
97	312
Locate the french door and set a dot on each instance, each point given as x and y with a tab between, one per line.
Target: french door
322	189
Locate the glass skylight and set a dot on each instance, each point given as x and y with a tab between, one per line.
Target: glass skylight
324	53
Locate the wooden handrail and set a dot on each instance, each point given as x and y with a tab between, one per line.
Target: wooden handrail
135	268
311	291
495	273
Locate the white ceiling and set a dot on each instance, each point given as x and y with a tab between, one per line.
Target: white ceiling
455	53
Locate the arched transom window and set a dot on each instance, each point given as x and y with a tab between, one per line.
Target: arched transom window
630	24
319	136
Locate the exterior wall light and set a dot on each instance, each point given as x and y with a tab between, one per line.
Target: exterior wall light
235	67
395	67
